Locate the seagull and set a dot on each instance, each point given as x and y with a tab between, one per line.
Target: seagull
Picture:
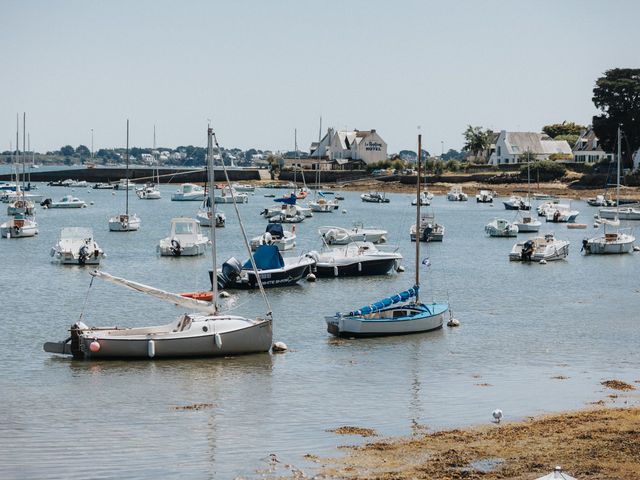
497	414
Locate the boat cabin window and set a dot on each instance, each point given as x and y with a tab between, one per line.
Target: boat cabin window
182	228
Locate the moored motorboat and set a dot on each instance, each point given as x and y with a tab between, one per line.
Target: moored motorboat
275	235
273	269
484	196
185	239
547	248
76	246
227	194
20	226
526	223
500	227
429	231
355	259
425	199
516	202
374	197
188	192
560	213
68	201
457	195
358	233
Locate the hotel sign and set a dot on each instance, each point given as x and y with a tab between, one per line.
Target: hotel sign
373	147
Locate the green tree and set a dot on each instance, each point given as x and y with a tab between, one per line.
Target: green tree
477	140
545	170
83	151
67	151
565	128
527	156
571	139
617	96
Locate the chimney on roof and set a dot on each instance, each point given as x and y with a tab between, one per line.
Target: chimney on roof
373	130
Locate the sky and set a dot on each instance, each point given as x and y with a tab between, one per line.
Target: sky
258	70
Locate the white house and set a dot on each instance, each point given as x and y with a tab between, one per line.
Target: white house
588	150
510	146
348	146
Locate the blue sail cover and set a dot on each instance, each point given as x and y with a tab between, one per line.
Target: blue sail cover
385	302
266	257
290	200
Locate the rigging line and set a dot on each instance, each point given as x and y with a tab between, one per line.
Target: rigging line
173	174
86	298
244	233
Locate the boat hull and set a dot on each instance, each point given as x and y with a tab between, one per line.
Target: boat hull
23	232
270	278
254	338
391	322
354	269
601	246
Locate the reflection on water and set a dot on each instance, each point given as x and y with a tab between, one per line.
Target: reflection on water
522	325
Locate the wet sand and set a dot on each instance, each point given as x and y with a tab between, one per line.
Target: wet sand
598	443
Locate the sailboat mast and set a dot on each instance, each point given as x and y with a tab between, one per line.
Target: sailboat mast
212	224
418	214
24	145
15	167
618	174
127	178
155	158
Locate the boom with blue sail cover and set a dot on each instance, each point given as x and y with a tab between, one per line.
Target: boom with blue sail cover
384	303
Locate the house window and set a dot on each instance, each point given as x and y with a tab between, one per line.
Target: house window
499	151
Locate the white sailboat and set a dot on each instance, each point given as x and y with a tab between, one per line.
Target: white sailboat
398	314
204	332
150	190
611	242
124	222
524	221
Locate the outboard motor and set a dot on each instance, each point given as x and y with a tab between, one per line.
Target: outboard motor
426	233
585	246
527	251
83	254
230	272
45	203
176	248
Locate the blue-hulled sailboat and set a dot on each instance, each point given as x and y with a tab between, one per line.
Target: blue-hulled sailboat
399	314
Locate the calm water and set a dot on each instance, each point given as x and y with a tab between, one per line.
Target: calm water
521	326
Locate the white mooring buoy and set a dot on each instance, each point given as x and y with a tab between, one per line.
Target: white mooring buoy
311	277
279	347
453	322
224	294
400	269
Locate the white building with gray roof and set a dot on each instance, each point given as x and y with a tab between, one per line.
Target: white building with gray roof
511	146
350	145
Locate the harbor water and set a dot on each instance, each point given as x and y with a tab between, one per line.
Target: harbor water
533	338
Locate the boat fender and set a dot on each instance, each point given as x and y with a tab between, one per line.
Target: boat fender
335	271
543	262
94	346
151	348
400	269
218	340
359	266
